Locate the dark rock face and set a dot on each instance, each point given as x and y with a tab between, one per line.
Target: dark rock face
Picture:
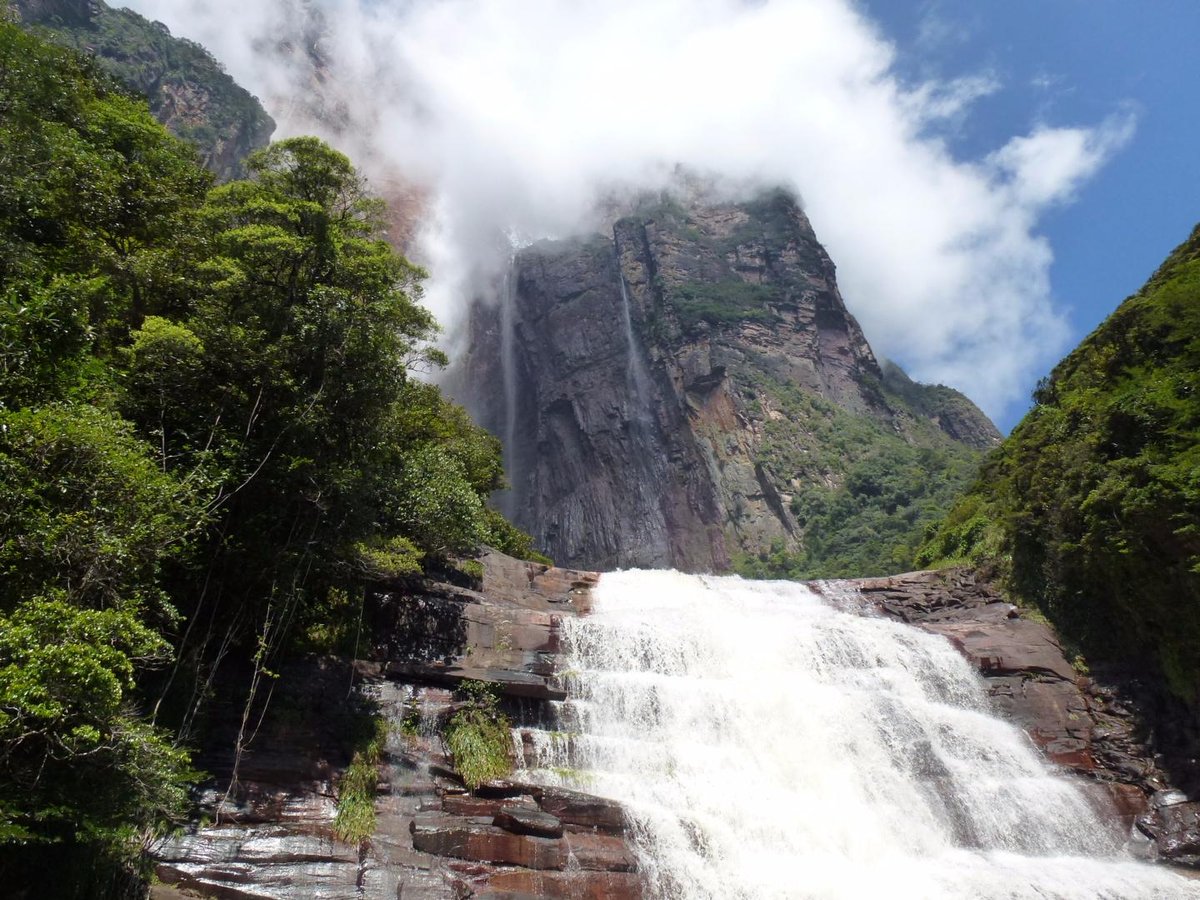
642	382
1174	826
586	447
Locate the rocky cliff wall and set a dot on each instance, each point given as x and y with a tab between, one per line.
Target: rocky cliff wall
691	391
269	828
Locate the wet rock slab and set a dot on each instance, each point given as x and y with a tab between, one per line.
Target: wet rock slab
477	839
521	820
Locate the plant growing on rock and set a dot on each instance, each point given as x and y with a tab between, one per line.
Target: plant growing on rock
355	820
477	735
1090	510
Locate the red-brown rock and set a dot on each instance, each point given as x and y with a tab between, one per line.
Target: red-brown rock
601	852
567	885
584	810
477	840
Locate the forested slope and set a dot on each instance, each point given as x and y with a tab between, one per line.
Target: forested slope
187	89
210	441
1091	508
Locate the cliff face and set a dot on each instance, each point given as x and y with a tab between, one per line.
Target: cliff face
187	89
691	391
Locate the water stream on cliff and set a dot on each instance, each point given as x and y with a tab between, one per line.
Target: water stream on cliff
636	375
770	742
507	500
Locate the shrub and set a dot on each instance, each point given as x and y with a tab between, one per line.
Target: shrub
478	736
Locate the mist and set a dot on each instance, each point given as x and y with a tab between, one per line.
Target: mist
512	118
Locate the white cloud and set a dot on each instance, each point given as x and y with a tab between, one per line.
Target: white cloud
1049	165
515	113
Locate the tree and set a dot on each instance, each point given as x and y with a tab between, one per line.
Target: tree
86	522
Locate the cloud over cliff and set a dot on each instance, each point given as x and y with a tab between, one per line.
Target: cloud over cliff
515	113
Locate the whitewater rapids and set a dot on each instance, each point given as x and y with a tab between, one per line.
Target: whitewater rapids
771	743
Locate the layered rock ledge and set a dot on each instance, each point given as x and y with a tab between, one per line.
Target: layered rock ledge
271	831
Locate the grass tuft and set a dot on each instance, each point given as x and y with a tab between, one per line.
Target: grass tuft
355	819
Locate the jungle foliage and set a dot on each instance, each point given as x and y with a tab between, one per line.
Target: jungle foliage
862	490
184	85
211	440
1091	508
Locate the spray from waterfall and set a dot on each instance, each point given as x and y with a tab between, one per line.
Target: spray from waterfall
769	743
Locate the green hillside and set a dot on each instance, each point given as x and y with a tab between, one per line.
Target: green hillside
1091	508
187	89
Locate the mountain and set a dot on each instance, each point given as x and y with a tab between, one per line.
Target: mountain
1090	510
188	90
689	390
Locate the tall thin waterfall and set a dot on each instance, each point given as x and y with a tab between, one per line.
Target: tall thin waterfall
769	743
637	377
508	373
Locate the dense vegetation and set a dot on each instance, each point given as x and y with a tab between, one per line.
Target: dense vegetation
1091	509
187	89
862	490
210	441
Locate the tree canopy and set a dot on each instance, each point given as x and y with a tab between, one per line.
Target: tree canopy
210	437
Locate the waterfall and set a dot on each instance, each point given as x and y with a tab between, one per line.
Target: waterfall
507	500
637	377
769	742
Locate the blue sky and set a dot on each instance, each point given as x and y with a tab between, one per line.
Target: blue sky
1074	62
991	177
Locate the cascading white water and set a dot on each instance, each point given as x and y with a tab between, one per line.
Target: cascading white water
770	744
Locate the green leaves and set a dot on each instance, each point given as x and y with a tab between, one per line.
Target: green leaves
478	736
1092	505
64	671
436	506
206	419
73	762
84	509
